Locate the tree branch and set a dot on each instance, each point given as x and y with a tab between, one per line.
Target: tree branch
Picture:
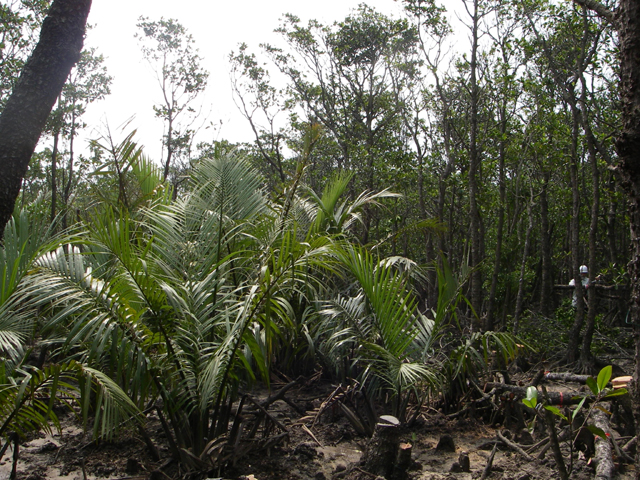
599	9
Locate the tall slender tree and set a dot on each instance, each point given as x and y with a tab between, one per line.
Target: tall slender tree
170	50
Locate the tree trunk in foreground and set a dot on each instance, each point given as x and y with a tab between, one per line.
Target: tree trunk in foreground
628	147
604	452
35	93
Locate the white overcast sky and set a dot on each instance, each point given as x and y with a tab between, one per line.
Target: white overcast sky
218	28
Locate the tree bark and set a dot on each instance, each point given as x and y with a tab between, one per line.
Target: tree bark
612	224
555	398
586	358
628	147
35	93
489	323
574	332
604	451
474	168
566	377
523	268
546	288
381	453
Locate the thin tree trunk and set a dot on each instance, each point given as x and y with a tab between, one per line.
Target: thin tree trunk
523	268
54	174
167	163
489	323
586	358
41	81
67	188
474	167
546	282
574	332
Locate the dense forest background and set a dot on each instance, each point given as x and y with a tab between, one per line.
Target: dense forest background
402	204
501	149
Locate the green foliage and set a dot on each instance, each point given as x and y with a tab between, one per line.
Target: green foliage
127	179
375	330
547	335
479	353
262	260
27	398
185	302
334	218
27	236
531	399
28	393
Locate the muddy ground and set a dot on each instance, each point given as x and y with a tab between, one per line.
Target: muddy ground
330	448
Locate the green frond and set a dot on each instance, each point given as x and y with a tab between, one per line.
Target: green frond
113	406
27	235
392	305
27	399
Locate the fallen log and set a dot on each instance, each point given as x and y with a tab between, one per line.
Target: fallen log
566	377
618	382
264	412
555	398
279	395
604	451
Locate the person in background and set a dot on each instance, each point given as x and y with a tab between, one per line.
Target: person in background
584	278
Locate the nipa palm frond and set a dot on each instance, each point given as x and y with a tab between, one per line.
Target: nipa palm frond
27	398
393	307
28	235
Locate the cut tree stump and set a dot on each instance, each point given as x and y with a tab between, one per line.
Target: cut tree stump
403	462
446	444
379	458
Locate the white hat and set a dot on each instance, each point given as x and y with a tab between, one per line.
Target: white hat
584	269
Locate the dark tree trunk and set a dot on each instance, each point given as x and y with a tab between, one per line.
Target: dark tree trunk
35	93
586	358
574	332
628	147
611	224
491	302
